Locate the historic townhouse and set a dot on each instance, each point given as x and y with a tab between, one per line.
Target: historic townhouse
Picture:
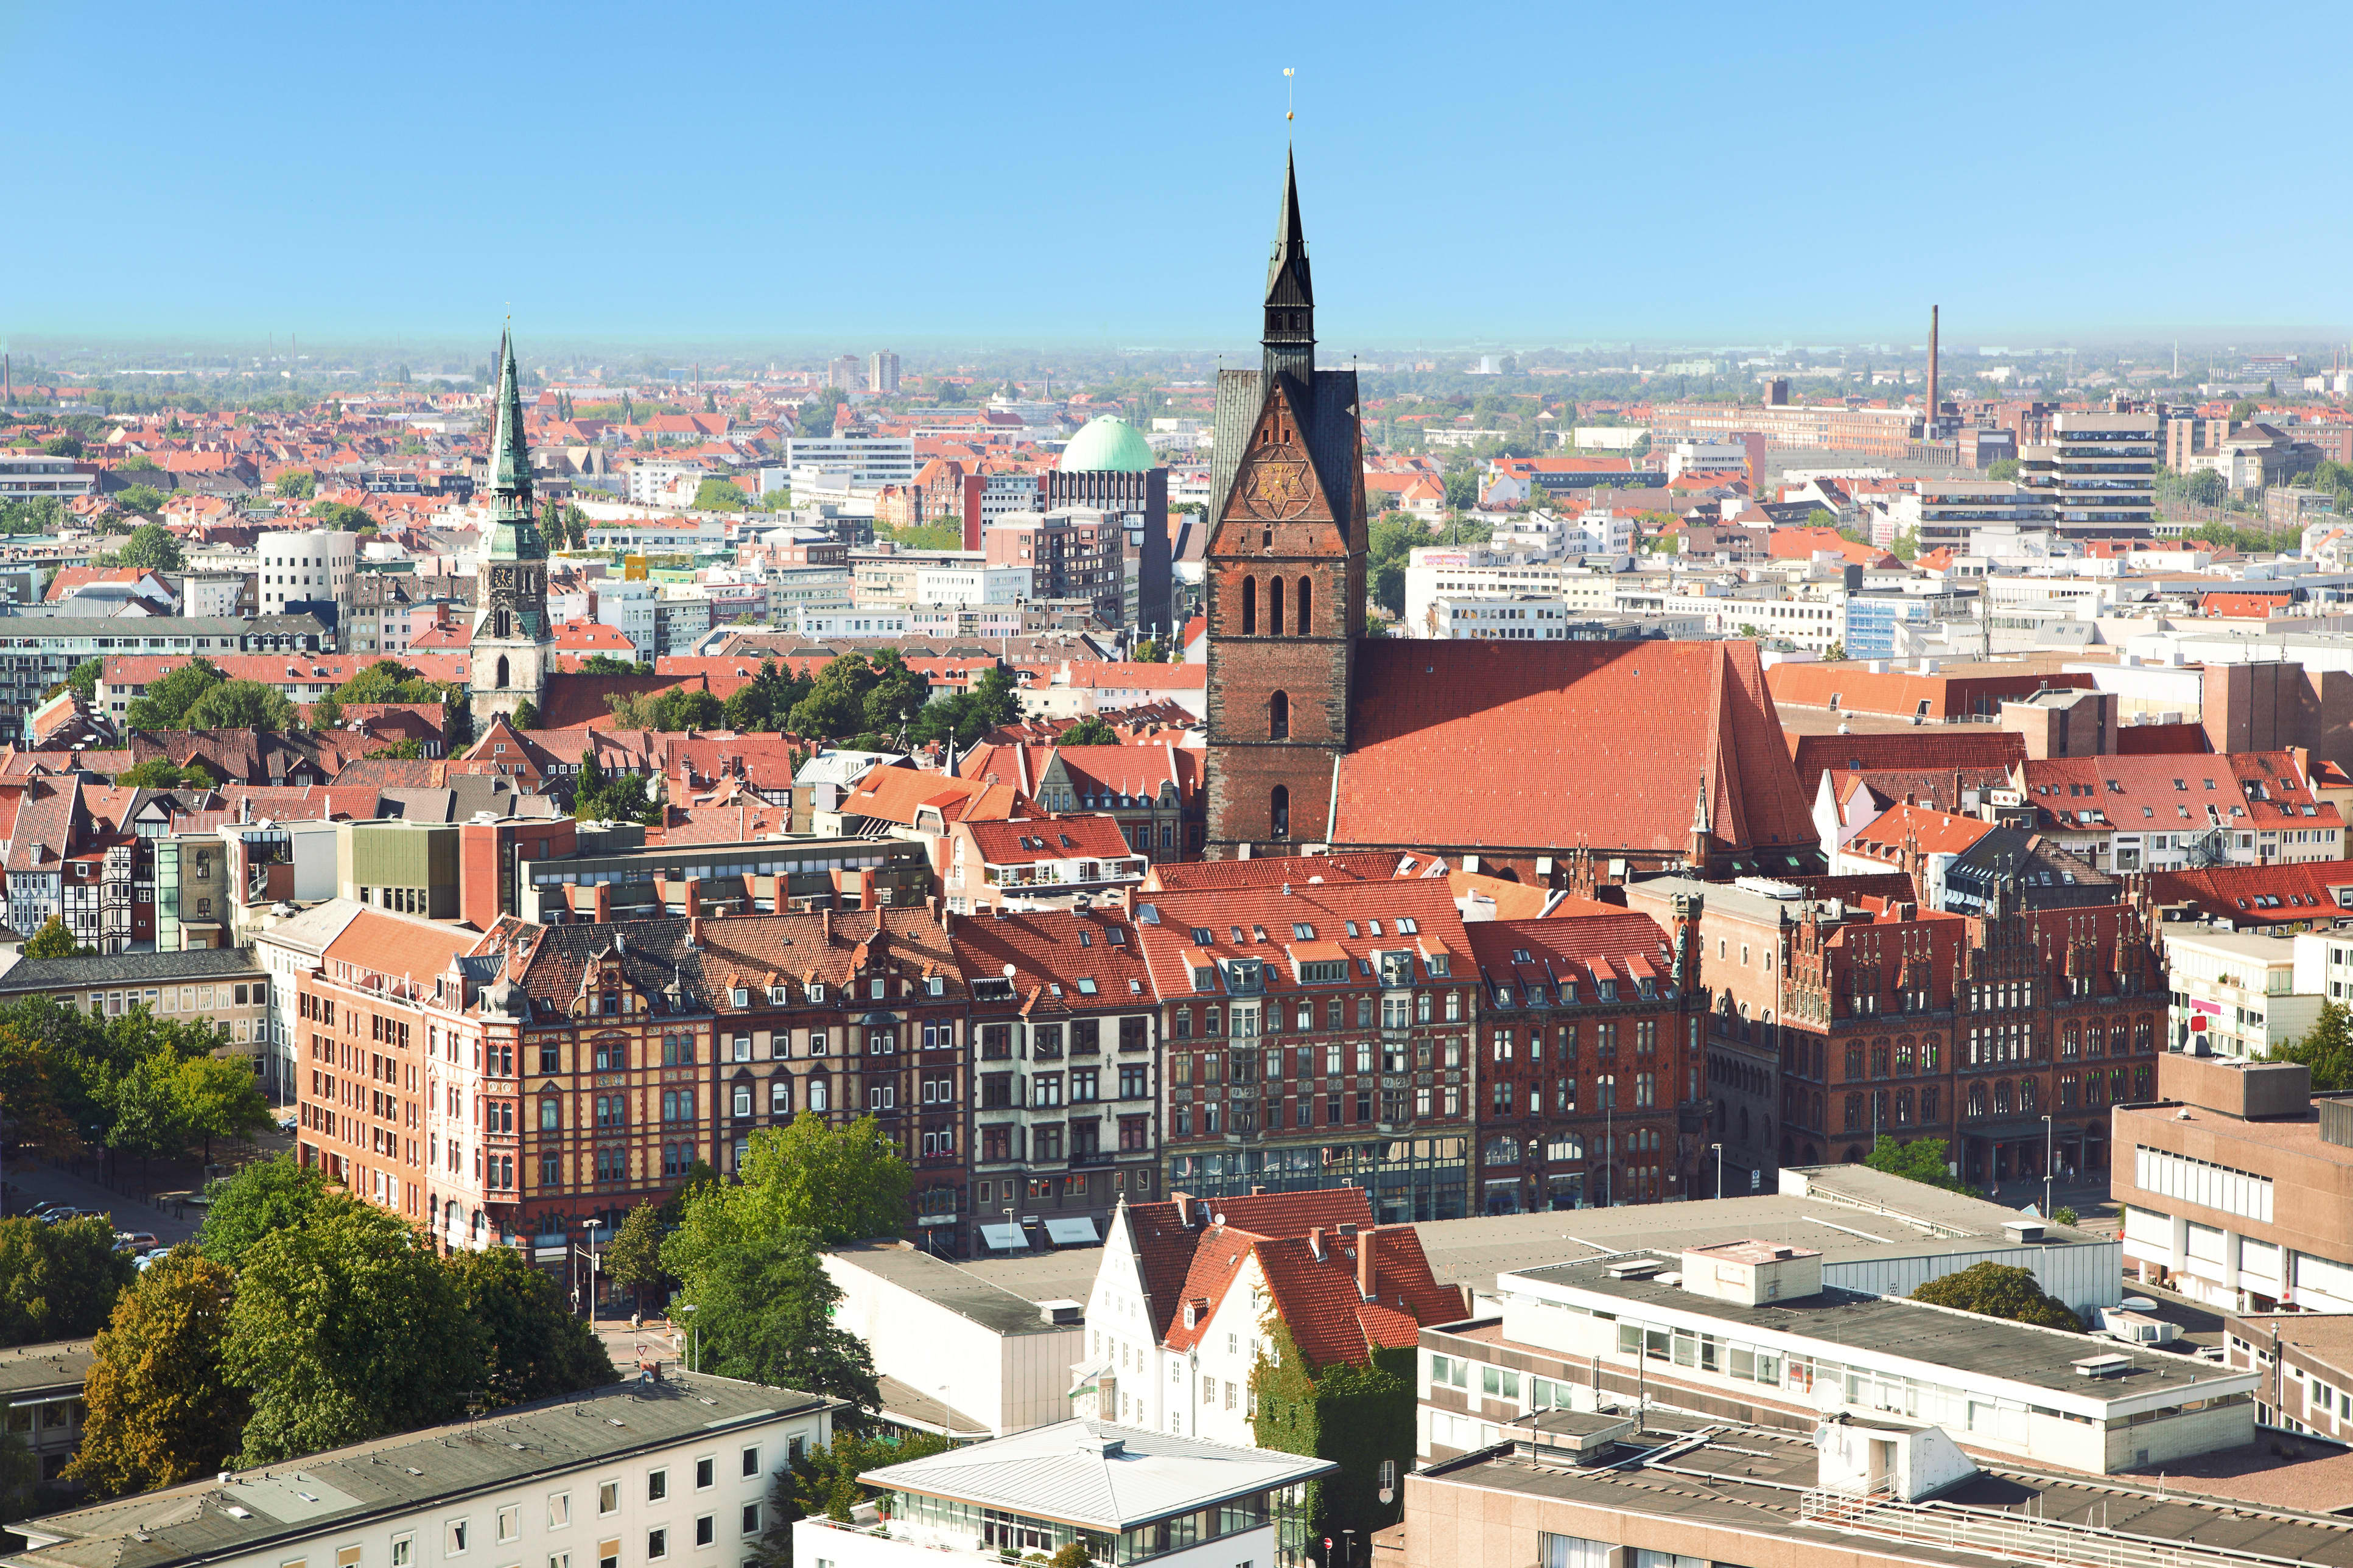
1588	1063
1065	1028
1317	1033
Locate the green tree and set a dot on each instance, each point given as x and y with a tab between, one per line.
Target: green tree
82	679
20	1476
260	1200
219	1099
2243	410
606	664
66	446
298	484
1997	1291
161	1411
2326	1049
720	495
835	708
155	548
533	1347
897	695
53	940
144	500
526	715
1090	731
241	705
842	1181
1921	1160
763	1308
58	1281
401	751
165	702
340	515
162	773
1905	546
634	1260
2003	468
151	1119
343	1329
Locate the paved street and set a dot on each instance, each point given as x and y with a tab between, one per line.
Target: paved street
30	1182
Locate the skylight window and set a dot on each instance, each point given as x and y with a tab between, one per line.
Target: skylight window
1204	937
1408	925
1302	931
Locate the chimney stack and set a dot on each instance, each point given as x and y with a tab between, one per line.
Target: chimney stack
1184	1211
1365	1261
1315	1243
1932	373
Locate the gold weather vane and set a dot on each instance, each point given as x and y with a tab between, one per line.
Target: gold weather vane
1287	74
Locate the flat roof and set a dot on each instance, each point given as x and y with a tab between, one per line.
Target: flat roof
399	1476
957	1289
1098	1475
129	968
1853	1215
2290	1134
39	1369
1848	1321
1065	1274
1746	1479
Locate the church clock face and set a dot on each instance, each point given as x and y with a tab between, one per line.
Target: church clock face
504	577
1276	490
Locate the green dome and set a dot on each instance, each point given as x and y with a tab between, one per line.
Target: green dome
1107	444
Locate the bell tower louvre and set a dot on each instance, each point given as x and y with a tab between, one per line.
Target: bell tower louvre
1285	571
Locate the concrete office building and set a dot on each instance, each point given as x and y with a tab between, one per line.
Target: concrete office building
866	460
1662	1491
307	572
41	1385
1747	1329
882	371
2097	473
2235	994
2237	1187
30	475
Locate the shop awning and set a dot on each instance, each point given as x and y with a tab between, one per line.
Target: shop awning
1072	1232
1003	1237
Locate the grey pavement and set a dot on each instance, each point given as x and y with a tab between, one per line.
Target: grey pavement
30	1182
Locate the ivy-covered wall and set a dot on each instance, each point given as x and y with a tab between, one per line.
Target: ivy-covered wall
1356	1416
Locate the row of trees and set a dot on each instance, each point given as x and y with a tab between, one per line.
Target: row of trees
303	1318
873	700
136	1085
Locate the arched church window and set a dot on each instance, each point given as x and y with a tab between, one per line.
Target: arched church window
1274	606
1278	716
503	682
1279	812
1306	606
1249	605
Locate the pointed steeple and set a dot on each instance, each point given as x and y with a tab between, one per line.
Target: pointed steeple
510	458
1290	336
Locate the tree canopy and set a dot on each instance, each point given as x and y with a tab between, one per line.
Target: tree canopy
2326	1049
53	940
1090	731
165	702
153	547
764	1308
533	1347
1997	1291
58	1281
162	773
1921	1160
240	705
161	1411
258	1200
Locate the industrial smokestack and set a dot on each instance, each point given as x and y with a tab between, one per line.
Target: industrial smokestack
1933	408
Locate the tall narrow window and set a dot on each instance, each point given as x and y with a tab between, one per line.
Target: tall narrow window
1279	812
1249	605
1306	608
1274	606
1278	716
503	682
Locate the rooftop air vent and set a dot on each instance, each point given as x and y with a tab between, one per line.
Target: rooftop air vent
1634	1268
2102	1366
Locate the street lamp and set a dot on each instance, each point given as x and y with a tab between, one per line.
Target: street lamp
694	1361
1719	1168
2046	1169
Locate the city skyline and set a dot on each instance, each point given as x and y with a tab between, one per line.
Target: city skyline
1714	187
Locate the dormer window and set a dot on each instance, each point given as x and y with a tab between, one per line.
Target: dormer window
1609	991
776	994
817	990
741	997
875	989
1440	964
936	985
1502	995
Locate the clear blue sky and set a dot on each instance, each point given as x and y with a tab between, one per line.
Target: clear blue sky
1102	174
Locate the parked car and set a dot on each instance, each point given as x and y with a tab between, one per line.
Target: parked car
134	1241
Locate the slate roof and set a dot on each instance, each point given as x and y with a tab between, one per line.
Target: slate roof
1328	422
1550	745
28	974
404	1476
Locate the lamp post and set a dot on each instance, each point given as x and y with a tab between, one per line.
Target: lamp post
2046	1169
1719	1168
694	1361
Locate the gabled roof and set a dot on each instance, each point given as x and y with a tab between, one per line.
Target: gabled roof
1885	838
1061	961
897	794
1548	745
2233	790
2260	895
1017	843
1924	751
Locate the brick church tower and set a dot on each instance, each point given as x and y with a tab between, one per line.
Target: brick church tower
1285	573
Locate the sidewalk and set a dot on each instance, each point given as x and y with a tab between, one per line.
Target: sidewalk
31	1182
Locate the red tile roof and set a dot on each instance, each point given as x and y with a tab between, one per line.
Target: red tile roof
1553	745
2261	895
1929	751
2236	790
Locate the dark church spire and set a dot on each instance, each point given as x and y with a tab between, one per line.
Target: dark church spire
1290	336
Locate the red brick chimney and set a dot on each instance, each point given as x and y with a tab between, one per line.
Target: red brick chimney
1365	1261
1315	1243
601	902
694	899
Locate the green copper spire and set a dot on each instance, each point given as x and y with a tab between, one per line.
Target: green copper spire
514	527
510	459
